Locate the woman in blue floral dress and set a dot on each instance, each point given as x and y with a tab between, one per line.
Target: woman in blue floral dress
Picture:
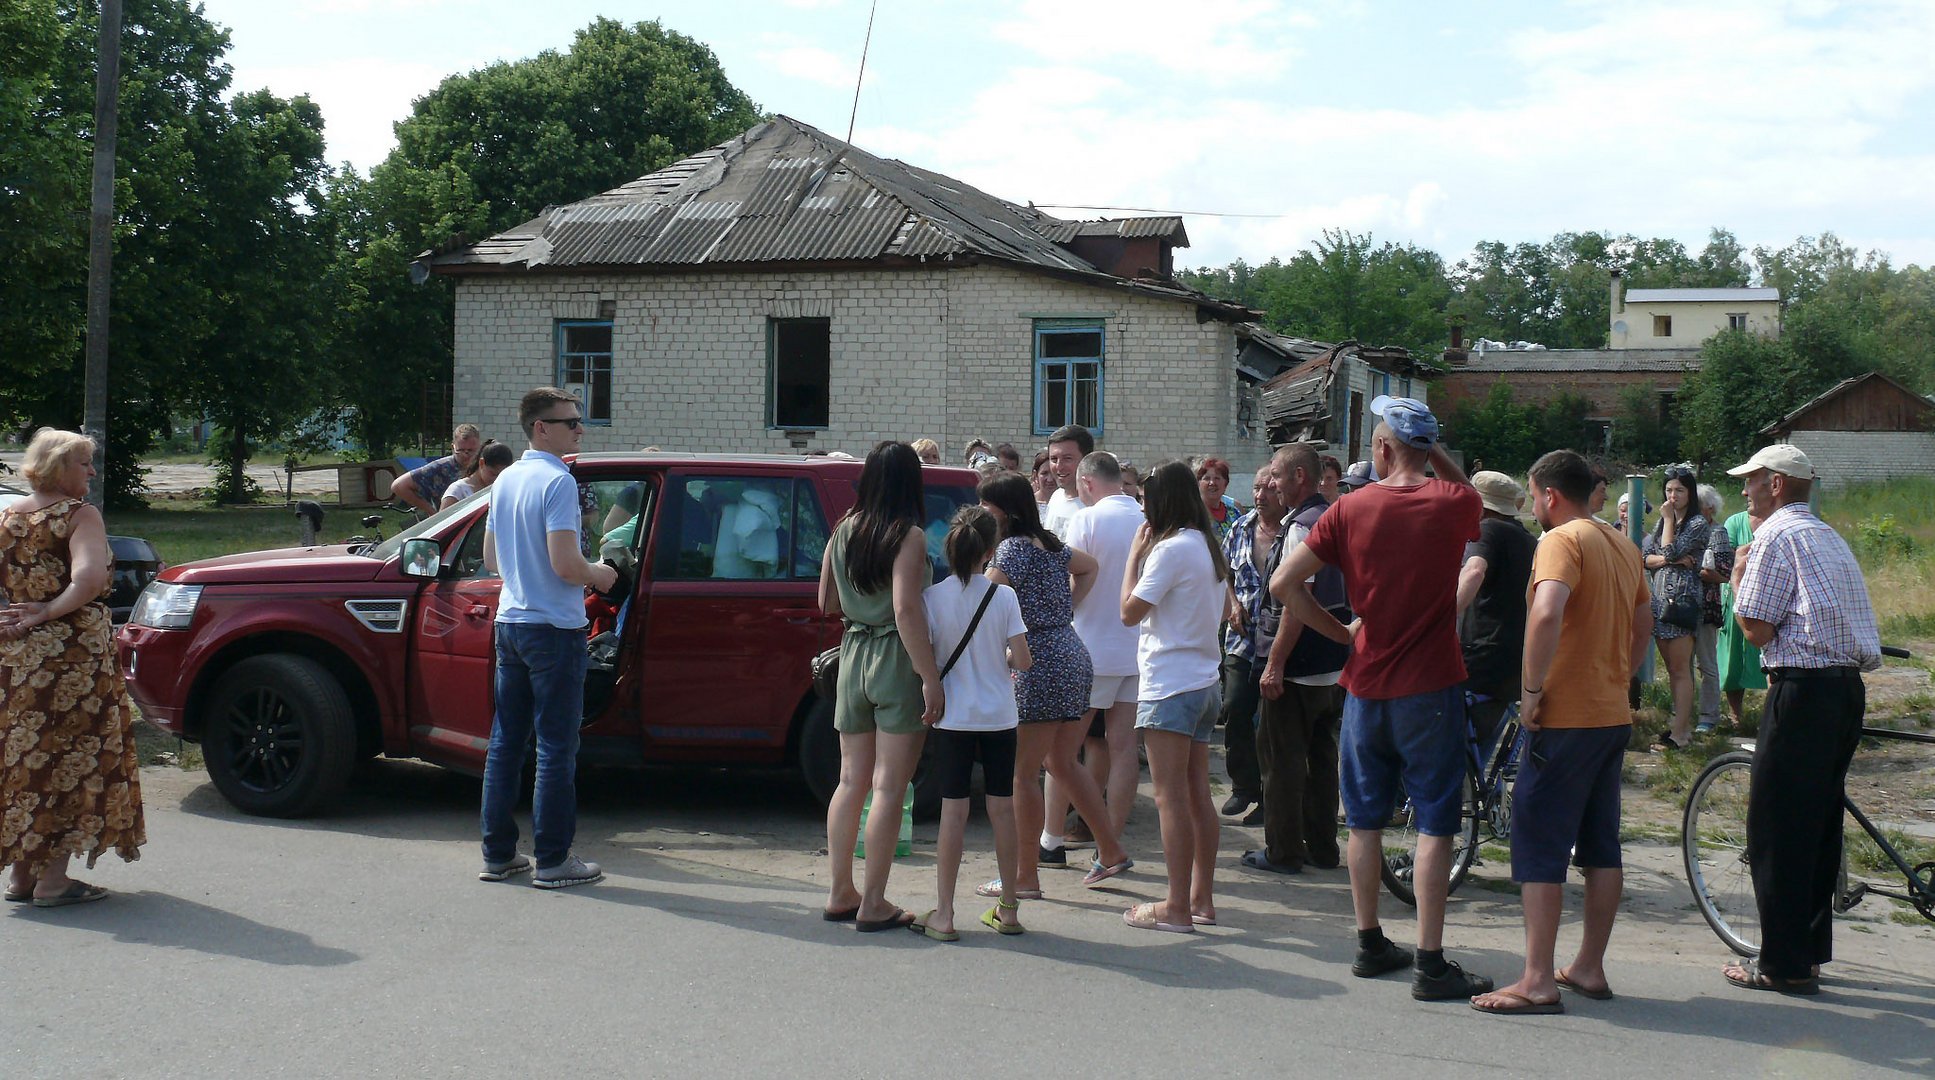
1047	576
1672	552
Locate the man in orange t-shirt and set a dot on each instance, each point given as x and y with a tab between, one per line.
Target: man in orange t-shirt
1589	622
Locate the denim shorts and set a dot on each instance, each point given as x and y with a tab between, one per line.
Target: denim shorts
1192	713
1419	740
1566	802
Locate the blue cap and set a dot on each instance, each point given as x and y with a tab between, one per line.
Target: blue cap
1409	420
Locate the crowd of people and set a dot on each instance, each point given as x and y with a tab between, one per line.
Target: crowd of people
1349	631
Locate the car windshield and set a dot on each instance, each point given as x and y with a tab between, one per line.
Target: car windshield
394	544
942	500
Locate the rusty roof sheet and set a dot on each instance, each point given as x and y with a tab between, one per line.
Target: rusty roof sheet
787	192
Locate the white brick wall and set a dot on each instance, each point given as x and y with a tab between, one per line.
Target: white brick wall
942	352
1847	457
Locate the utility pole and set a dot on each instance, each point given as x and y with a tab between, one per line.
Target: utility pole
100	238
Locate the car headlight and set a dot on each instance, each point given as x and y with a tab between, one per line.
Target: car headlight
165	605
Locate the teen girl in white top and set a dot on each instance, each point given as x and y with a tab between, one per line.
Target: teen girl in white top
980	719
1175	589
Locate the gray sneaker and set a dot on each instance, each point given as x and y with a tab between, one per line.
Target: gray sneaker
572	871
506	870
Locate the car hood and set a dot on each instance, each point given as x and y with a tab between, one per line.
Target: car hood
294	566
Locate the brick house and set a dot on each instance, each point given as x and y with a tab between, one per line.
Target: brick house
785	291
1869	427
1655	337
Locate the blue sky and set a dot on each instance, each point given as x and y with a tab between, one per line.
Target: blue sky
1437	124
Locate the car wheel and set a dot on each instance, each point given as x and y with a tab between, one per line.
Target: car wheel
820	752
279	737
820	764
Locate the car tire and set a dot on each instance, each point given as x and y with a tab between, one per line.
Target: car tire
279	737
820	764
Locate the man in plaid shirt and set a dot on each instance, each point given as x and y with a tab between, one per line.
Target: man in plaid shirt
1799	597
1246	547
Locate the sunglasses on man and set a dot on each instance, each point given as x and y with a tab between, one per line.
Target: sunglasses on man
572	422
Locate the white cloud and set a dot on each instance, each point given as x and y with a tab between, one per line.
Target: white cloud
361	99
822	67
1773	119
1212	39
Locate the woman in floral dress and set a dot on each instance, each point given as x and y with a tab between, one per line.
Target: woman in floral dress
69	781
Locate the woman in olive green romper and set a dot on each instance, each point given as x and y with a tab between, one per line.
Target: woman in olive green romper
889	688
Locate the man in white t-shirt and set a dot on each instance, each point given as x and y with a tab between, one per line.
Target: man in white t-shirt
1067	447
1105	528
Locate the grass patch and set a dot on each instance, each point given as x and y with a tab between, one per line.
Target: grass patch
185	531
1494	853
1906	918
1498	885
1866	856
153	746
1645	832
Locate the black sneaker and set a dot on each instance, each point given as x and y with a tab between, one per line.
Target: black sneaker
1052	856
1237	803
1382	960
1452	984
1254	817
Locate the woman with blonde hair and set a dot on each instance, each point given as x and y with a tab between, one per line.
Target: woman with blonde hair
69	781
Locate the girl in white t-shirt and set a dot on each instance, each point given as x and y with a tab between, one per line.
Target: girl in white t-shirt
978	723
1174	588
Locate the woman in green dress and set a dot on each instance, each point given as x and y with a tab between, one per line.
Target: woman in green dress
1739	660
889	688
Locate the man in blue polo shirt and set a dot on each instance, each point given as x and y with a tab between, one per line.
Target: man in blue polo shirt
531	539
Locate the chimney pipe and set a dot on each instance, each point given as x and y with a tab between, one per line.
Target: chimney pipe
1618	294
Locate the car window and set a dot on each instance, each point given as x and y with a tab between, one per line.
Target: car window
738	528
942	500
468	563
616	511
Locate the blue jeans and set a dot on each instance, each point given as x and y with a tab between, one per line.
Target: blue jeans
541	685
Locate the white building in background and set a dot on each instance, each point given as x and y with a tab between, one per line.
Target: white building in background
1683	318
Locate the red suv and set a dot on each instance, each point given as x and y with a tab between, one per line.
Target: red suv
289	666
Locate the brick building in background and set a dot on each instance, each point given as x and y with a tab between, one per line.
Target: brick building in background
786	291
1655	337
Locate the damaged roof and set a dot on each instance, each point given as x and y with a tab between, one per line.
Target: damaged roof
786	192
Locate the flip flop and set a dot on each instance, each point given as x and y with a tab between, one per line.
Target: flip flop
895	921
1665	743
80	892
1564	979
1752	978
1202	920
1098	873
922	927
1143	917
1520	1005
845	915
20	897
991	919
992	890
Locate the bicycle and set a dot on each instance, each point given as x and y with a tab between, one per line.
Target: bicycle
1486	799
1713	844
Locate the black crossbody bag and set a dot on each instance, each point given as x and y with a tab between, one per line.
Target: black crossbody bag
826	666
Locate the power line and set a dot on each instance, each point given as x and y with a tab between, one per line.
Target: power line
1146	210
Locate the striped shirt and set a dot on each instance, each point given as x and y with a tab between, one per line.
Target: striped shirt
1801	578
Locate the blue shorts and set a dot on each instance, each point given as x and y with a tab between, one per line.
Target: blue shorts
1419	739
1192	713
1566	802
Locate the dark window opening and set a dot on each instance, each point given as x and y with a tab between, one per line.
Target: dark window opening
584	366
799	362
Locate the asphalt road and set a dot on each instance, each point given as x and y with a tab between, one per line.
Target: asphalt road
362	944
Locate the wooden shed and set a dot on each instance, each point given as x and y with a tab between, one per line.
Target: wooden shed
1866	428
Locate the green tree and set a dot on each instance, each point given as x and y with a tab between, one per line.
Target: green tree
1642	434
490	149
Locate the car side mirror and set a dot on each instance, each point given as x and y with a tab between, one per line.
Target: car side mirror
422	558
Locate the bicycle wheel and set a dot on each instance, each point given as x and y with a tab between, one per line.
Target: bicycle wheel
1713	841
1401	843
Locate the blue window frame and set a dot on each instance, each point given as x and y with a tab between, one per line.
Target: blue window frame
584	365
1068	374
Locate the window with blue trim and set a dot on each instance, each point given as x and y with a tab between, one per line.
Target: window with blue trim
584	365
1068	374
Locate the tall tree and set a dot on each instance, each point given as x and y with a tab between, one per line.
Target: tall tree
487	150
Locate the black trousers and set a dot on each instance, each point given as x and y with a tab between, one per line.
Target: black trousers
1809	729
1296	743
1239	725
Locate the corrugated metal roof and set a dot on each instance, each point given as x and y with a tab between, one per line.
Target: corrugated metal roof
786	192
1126	228
1582	360
1693	296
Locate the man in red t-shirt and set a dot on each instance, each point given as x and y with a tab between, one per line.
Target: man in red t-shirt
1399	543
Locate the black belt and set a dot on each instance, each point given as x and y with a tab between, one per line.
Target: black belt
1812	672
